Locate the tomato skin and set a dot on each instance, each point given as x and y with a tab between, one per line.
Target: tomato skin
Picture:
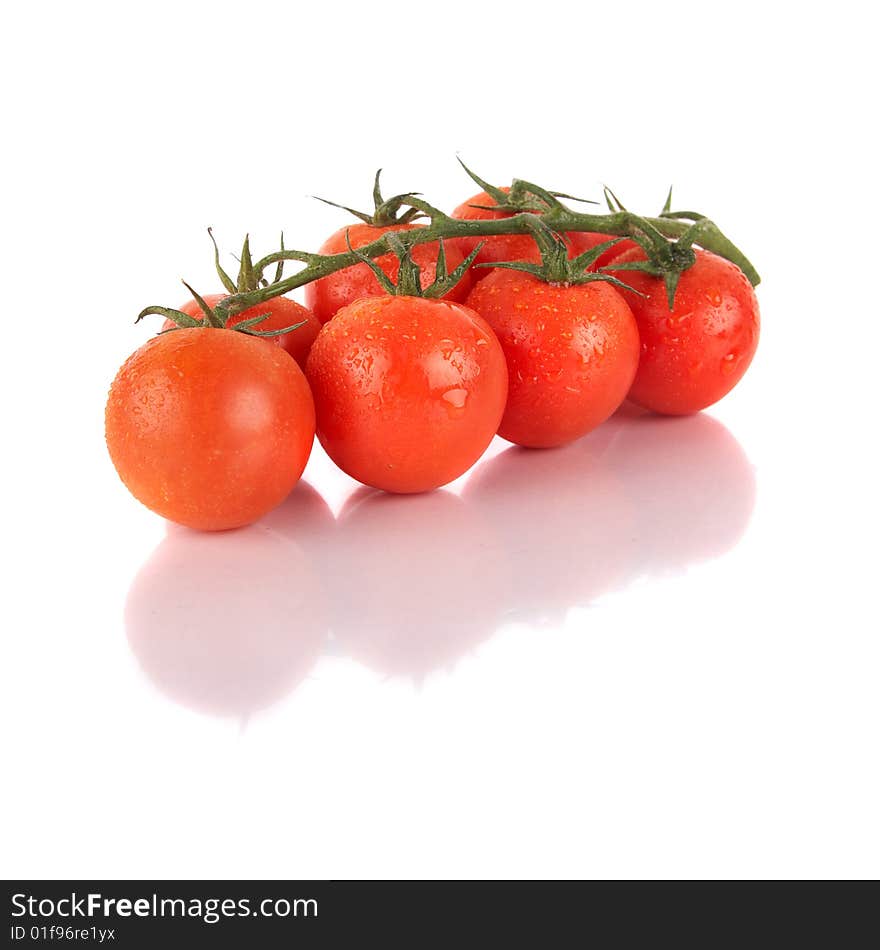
408	391
283	312
496	247
325	297
209	428
581	241
571	354
521	247
693	356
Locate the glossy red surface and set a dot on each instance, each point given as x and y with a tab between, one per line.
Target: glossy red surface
209	428
283	312
408	392
571	354
696	353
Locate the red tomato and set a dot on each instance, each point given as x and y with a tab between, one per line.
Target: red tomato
581	241
209	428
408	391
330	294
496	247
283	312
697	353
521	247
571	353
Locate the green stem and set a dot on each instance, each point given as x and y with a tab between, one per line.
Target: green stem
561	219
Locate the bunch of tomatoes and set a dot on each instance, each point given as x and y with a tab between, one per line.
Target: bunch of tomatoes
406	364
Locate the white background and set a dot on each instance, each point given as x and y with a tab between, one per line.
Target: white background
654	653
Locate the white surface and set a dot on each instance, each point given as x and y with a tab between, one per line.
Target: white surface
653	653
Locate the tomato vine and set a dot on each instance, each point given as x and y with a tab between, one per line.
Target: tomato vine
667	239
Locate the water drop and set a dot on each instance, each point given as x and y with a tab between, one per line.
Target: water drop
456	397
728	364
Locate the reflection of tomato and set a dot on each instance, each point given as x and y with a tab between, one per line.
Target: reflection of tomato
691	485
420	581
305	518
565	522
226	632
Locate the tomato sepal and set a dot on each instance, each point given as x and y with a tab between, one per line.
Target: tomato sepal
521	196
409	276
386	211
556	267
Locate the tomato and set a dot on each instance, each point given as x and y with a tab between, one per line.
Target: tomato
408	391
283	312
696	353
329	294
210	428
522	247
571	352
496	247
581	241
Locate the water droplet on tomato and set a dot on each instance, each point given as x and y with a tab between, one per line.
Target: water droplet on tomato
456	397
729	362
447	348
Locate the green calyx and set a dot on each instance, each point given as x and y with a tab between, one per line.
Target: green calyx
385	211
249	281
665	259
556	267
521	196
667	240
409	275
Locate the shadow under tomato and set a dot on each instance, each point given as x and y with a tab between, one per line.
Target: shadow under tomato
408	585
